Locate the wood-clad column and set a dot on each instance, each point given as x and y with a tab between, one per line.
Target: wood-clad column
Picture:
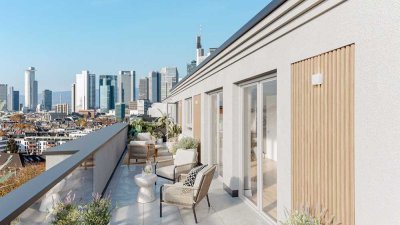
323	134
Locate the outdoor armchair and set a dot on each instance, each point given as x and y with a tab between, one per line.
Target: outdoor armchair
179	195
170	169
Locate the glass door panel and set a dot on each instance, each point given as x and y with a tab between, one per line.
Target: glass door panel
216	130
220	132
269	148
250	143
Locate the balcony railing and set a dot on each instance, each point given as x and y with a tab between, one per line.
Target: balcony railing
80	167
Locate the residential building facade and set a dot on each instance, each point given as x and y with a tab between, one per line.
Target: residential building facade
291	110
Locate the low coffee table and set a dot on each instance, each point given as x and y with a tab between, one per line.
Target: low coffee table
146	183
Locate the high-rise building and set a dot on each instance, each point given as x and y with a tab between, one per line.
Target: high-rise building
154	86
31	89
190	67
47	99
199	51
143	106
144	88
85	91
73	97
126	89
169	78
3	97
13	100
92	91
62	108
107	91
120	111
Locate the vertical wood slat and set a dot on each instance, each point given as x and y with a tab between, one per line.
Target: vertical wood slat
323	134
180	113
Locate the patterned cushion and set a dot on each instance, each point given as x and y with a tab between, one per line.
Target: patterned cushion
191	177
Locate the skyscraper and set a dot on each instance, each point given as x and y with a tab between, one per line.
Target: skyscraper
169	78
47	99
126	89
3	97
154	86
31	89
73	97
13	100
120	111
107	91
190	67
85	91
144	88
199	51
92	91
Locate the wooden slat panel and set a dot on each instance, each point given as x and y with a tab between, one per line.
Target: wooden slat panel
180	113
323	134
197	122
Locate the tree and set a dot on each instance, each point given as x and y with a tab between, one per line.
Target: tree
17	118
12	146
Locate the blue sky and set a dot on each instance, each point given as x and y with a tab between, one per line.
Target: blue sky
61	38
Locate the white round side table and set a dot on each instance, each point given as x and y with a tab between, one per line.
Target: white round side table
146	184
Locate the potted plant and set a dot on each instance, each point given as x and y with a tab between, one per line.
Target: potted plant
66	212
96	212
187	143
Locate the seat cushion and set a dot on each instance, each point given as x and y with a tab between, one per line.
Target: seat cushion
144	136
185	156
166	171
176	196
191	177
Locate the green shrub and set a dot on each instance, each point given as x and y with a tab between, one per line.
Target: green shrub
185	143
66	213
97	212
301	218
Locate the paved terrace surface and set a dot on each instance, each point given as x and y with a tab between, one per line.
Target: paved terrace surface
224	209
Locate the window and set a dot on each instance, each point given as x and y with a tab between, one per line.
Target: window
188	112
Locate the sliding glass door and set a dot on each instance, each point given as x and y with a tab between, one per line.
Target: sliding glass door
260	146
216	111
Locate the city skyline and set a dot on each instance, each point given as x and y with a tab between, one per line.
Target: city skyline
56	43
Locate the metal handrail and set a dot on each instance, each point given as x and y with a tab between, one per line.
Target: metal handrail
16	202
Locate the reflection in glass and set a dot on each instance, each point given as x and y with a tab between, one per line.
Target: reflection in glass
250	142
217	130
269	148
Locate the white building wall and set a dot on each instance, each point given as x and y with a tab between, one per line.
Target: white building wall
314	28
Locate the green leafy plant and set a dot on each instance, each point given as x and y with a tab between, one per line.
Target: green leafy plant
185	143
98	211
174	130
310	216
301	218
66	213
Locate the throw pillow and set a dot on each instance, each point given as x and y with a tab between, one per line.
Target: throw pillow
191	177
